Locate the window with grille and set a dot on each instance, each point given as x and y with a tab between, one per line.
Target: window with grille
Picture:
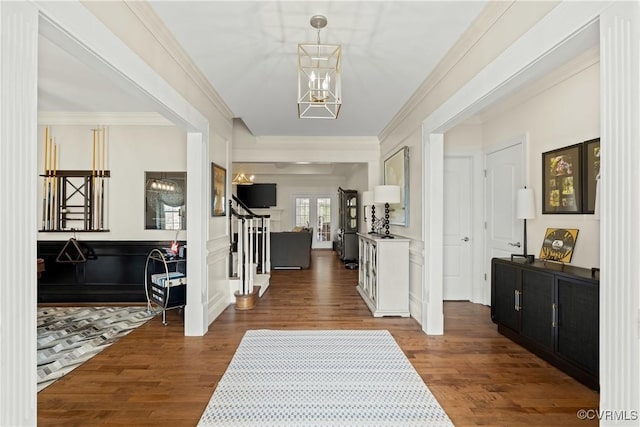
302	211
324	219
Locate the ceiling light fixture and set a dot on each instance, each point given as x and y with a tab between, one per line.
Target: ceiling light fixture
242	179
319	77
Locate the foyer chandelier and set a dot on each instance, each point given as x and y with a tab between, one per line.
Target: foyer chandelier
319	77
242	179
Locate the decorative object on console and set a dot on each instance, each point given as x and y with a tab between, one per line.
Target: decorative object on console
319	77
558	244
525	209
367	200
386	194
396	172
218	190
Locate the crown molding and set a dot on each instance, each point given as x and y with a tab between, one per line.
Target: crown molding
107	119
478	28
575	66
152	22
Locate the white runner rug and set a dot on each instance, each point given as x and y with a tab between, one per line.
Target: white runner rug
321	378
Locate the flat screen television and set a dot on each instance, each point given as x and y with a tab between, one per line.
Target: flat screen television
257	195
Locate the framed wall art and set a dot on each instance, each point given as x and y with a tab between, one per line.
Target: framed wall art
218	190
562	180
396	172
591	169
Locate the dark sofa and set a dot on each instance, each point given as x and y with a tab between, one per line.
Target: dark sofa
291	249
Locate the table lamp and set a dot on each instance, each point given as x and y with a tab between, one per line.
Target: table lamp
386	194
525	209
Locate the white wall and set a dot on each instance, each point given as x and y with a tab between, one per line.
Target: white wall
414	229
565	114
132	150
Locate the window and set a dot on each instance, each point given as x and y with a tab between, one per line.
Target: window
324	219
302	211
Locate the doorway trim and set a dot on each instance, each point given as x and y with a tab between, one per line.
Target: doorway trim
556	33
619	33
81	33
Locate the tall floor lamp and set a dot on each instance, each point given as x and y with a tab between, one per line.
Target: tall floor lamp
525	209
386	194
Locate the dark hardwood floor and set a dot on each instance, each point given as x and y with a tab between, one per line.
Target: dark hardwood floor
156	376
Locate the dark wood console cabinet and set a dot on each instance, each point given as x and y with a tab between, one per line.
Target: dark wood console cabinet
552	310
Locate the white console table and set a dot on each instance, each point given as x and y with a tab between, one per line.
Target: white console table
383	279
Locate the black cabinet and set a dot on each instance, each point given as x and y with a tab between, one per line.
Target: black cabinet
347	239
552	310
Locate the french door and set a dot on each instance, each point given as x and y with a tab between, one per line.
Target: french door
315	212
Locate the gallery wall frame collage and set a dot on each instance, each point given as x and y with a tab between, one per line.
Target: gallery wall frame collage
569	178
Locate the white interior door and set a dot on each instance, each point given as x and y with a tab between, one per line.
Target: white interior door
504	232
457	247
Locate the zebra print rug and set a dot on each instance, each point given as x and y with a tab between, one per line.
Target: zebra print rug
321	378
69	336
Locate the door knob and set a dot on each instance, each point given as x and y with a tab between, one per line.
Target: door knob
465	239
517	244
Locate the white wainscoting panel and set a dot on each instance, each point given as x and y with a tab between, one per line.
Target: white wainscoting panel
218	277
416	264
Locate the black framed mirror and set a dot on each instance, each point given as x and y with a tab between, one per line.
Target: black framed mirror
165	201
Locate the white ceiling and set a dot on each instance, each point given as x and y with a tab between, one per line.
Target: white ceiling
247	50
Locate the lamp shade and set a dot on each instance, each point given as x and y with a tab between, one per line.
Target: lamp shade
367	198
386	194
525	204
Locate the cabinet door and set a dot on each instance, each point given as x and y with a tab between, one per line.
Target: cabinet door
537	321
578	323
506	285
373	273
351	212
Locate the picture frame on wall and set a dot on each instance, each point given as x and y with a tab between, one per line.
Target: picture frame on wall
562	180
591	169
396	172
218	190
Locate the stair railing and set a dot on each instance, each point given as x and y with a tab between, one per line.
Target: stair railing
252	242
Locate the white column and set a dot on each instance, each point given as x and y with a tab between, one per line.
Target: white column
18	221
433	224
196	321
620	216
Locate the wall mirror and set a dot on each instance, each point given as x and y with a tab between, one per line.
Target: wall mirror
165	200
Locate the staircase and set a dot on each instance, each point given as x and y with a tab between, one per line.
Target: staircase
249	253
